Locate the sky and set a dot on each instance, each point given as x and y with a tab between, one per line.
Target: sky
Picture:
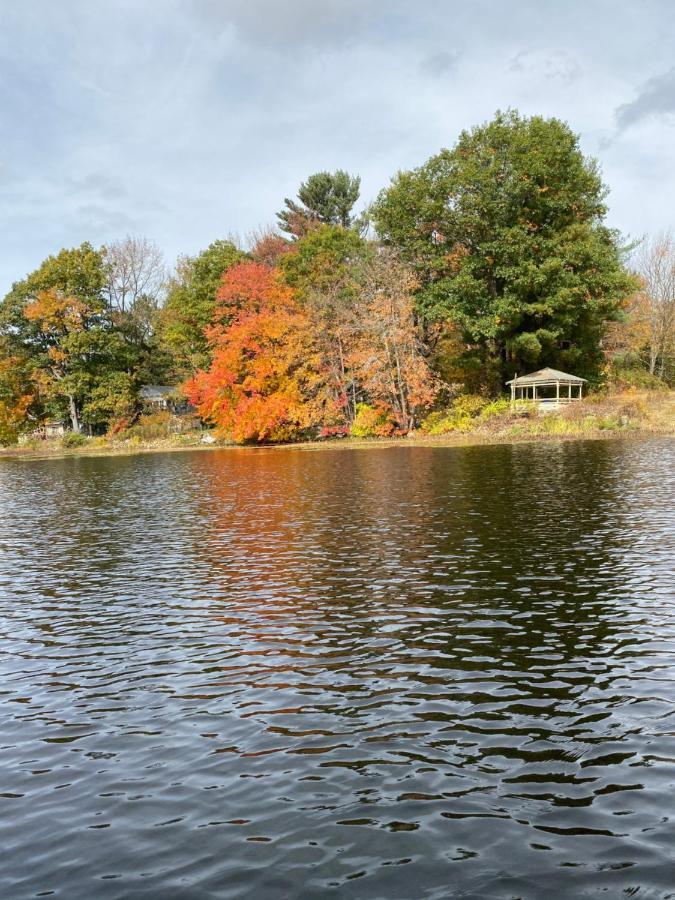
190	120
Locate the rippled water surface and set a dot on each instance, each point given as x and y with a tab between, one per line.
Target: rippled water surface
390	673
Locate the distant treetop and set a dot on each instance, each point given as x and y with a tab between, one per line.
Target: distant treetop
325	198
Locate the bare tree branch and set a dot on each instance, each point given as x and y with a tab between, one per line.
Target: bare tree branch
135	269
655	306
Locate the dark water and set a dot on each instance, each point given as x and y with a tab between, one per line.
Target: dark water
395	673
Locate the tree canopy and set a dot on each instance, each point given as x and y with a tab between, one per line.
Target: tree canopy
190	302
81	356
491	258
507	235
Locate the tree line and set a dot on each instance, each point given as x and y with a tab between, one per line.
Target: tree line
493	257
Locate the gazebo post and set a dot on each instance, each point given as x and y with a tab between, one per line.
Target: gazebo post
569	390
557	392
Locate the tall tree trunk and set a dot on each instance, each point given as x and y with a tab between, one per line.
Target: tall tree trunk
351	407
74	417
653	358
407	424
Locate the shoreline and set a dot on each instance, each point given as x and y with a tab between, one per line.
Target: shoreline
469	439
625	415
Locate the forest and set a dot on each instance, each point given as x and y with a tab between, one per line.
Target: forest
490	259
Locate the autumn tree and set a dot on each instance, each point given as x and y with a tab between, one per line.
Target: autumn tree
79	272
385	351
321	270
190	305
267	246
506	233
78	349
326	198
17	395
265	381
73	341
57	322
652	314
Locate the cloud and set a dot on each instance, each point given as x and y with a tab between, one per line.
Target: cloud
99	219
439	63
98	184
556	65
655	99
285	23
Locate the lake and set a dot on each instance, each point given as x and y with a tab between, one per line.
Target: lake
387	673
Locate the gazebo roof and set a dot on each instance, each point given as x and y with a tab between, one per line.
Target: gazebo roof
546	376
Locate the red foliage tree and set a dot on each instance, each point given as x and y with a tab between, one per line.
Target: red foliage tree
266	381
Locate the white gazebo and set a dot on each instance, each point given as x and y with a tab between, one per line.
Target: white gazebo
547	387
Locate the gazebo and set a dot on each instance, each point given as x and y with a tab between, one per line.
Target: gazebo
547	386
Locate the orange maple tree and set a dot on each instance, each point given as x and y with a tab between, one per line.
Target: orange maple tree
266	381
16	396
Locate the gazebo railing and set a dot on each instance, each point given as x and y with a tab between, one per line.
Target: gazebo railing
566	392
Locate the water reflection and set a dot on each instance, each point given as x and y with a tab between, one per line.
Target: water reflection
403	672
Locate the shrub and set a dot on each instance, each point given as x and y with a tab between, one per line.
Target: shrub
73	439
117	426
31	443
373	421
468	406
439	422
635	376
494	409
152	426
458	417
332	431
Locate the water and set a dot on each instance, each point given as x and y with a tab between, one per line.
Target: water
390	673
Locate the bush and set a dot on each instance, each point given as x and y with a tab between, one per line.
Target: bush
635	377
333	431
439	422
458	417
468	406
495	409
73	439
373	421
151	426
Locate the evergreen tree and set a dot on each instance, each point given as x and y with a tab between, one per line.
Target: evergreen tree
325	198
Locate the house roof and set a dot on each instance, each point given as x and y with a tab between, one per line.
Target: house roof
155	391
546	376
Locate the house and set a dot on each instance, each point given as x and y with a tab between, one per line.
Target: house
52	428
164	397
159	396
548	387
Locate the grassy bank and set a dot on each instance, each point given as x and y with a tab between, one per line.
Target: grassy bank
628	413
